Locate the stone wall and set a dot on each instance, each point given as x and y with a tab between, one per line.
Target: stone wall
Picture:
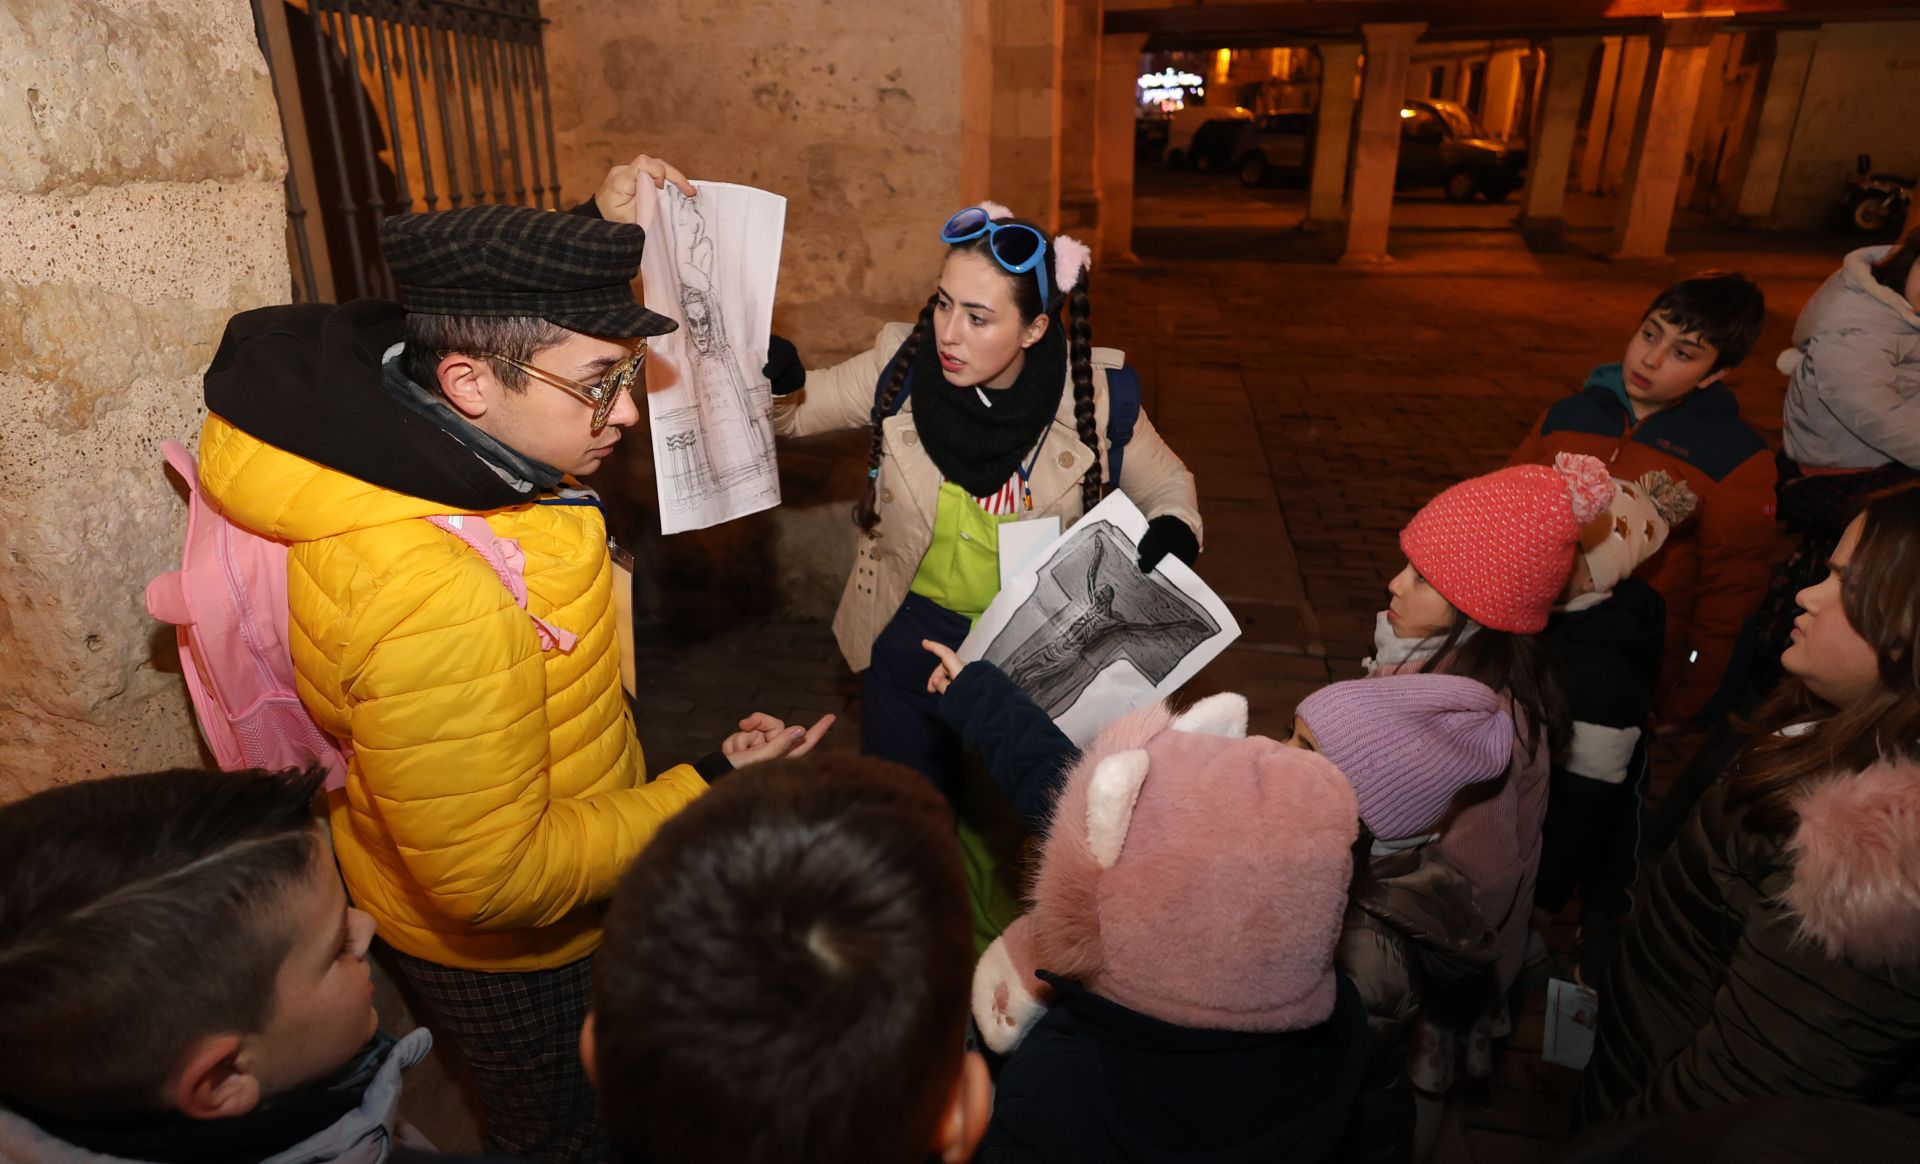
1027	107
866	115
1862	90
140	205
852	110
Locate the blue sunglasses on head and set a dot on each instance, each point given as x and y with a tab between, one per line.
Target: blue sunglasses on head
1017	247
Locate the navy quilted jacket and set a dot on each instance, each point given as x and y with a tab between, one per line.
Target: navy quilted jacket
1026	755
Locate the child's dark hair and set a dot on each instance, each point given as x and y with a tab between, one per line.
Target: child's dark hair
1525	668
1026	299
139	914
1725	308
1896	266
785	972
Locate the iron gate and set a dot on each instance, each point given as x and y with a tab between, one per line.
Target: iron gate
390	106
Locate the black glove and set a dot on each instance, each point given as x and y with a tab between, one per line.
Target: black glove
1167	535
784	369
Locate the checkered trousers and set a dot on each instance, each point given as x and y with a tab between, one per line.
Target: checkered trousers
520	1036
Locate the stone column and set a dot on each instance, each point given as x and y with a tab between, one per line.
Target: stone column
1661	130
140	205
1635	59
1332	136
1079	114
1113	144
1503	91
1706	115
1551	151
973	114
1601	119
1786	83
1026	96
1376	152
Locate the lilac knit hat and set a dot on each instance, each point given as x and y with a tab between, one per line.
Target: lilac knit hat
1409	742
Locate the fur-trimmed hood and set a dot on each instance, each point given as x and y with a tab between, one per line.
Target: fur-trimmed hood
1855	890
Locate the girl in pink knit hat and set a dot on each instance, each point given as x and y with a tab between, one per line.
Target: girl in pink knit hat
1486	561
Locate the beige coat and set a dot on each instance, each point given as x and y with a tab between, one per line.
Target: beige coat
884	566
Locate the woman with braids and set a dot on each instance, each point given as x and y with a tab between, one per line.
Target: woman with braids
991	408
1777	951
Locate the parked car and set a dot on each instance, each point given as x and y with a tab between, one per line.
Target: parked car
1274	144
1150	136
1442	145
1202	135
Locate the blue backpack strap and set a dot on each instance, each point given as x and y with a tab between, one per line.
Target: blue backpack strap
886	373
1123	413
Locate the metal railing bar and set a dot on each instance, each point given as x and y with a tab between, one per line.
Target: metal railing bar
307	288
316	12
408	32
378	29
349	26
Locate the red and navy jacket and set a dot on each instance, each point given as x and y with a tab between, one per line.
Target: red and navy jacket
1713	569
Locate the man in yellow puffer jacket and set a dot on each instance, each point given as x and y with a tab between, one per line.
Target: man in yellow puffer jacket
496	789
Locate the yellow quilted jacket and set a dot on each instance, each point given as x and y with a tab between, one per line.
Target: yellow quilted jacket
495	791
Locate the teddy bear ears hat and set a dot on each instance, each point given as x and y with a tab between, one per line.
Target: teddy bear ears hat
1500	547
1409	742
1191	873
1071	257
1635	526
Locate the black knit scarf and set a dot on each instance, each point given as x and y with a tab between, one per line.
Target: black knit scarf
977	446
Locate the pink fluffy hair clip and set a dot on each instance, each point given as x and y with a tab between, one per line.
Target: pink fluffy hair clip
1071	258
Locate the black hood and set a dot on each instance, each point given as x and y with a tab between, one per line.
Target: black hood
306	379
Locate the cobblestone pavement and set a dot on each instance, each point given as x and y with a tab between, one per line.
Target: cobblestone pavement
1319	406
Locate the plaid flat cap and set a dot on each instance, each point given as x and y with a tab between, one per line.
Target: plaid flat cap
568	269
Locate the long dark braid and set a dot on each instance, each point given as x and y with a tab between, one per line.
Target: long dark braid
1080	368
866	512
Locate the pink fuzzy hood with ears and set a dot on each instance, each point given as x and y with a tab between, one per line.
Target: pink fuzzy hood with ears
1209	891
1856	866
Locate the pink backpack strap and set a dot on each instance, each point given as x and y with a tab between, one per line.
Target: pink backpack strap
509	564
228	605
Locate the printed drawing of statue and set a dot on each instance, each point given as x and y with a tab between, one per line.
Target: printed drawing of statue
738	437
1092	608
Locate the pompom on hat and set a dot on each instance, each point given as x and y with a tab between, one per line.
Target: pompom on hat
1500	547
1635	526
1409	742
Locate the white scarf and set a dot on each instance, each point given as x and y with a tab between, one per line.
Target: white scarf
1393	653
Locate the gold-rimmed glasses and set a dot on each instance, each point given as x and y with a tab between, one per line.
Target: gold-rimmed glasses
602	394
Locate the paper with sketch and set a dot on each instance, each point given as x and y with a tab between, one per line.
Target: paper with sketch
1089	636
710	264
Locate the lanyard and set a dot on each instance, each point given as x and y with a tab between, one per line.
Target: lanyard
1026	472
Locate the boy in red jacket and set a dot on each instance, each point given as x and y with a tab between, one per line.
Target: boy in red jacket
1666	406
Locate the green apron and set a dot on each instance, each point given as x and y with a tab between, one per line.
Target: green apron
961	572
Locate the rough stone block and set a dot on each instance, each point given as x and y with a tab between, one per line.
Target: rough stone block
117	92
140	206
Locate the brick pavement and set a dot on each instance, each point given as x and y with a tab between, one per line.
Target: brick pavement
1319	407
